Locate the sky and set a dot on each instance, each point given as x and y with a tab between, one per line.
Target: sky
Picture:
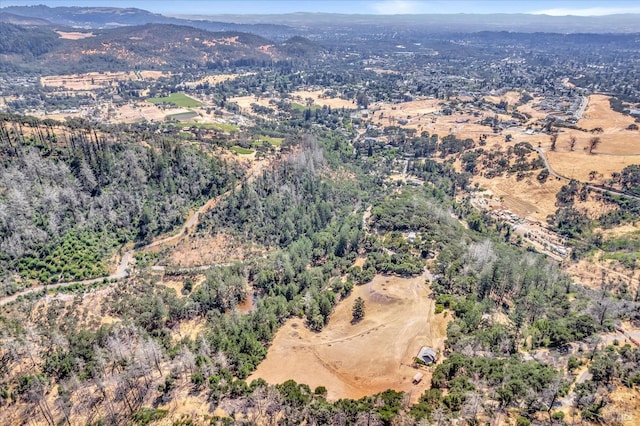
380	7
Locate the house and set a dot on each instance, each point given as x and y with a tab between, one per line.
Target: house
427	355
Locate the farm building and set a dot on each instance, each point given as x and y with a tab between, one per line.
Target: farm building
427	355
417	378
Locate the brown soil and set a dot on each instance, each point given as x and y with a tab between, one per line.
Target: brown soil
207	249
131	113
354	360
511	98
624	408
527	197
74	35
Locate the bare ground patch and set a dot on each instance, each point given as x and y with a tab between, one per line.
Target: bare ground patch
624	408
207	249
375	354
321	100
527	197
74	35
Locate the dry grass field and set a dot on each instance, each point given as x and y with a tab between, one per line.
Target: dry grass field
511	98
245	102
320	100
527	197
95	80
200	250
354	360
141	111
618	148
215	79
74	35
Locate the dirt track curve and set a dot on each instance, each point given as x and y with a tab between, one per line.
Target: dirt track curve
122	271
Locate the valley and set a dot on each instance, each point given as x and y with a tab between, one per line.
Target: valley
268	227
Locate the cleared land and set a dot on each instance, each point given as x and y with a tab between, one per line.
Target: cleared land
526	198
74	35
354	360
215	79
94	80
321	100
618	146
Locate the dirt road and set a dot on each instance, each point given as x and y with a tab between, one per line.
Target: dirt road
128	259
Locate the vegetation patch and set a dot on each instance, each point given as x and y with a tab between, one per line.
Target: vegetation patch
270	140
223	127
178	99
240	150
77	255
182	116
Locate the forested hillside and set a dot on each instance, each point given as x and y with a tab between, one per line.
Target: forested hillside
378	223
72	196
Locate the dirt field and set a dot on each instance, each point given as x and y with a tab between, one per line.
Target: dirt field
205	250
94	80
131	113
215	79
300	96
74	35
354	360
511	98
526	198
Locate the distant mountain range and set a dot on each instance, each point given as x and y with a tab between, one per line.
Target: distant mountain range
321	25
113	17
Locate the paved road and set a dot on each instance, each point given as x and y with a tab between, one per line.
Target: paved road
583	107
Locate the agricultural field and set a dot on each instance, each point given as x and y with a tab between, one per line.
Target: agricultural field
96	80
178	99
353	360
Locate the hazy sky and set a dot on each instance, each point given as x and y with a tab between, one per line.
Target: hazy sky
204	7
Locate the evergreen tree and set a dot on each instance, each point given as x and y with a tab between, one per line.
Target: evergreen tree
358	309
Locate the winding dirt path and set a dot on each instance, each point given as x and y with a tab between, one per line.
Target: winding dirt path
592	187
128	259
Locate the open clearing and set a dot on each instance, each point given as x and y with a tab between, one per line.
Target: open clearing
94	80
73	35
321	100
355	360
527	197
178	99
215	79
618	148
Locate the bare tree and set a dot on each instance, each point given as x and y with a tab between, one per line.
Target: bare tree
554	139
593	143
572	142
